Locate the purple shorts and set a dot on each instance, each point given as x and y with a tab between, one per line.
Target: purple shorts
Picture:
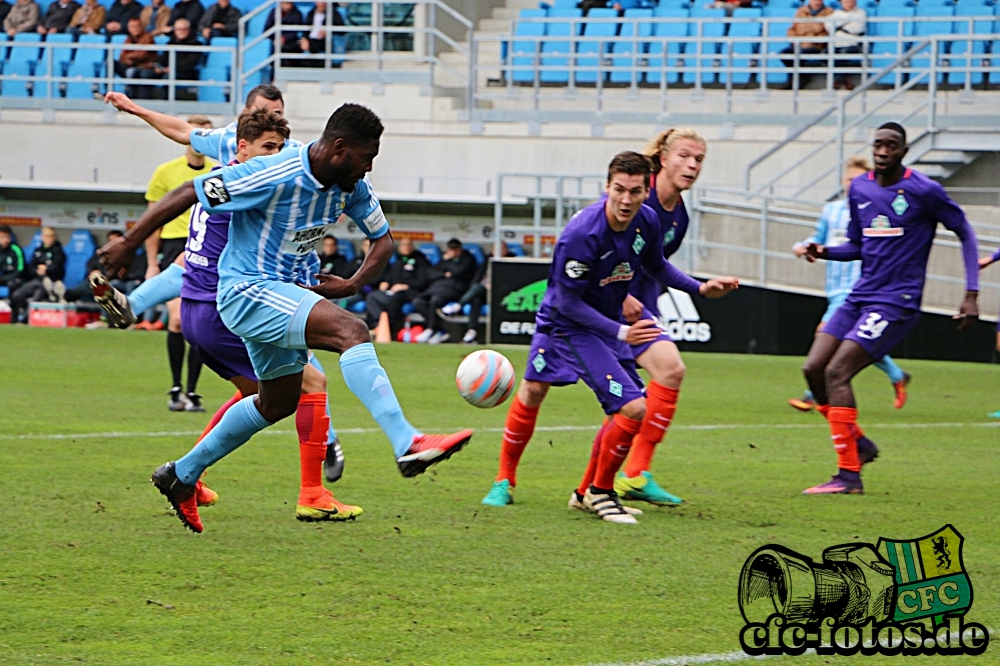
221	350
557	358
637	350
875	326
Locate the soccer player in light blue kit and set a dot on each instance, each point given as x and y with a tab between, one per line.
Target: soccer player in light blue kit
831	230
282	207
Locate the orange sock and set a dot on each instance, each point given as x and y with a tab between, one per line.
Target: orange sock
595	453
312	424
824	410
843	424
661	403
614	447
218	415
517	430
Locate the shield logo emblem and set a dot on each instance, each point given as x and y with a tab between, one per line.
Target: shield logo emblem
931	580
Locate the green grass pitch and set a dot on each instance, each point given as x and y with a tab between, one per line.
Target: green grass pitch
94	570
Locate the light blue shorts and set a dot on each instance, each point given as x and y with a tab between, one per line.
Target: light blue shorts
833	304
271	317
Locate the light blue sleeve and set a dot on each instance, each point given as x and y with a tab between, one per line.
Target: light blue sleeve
208	142
231	188
364	209
822	231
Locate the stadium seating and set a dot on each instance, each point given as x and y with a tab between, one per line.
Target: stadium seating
218	68
346	248
742	51
21	62
555	53
87	63
527	49
670	35
36	240
476	251
431	251
79	250
516	249
708	51
587	66
622	51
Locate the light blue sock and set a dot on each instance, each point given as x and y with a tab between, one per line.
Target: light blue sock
158	289
808	396
889	367
237	426
331	436
367	380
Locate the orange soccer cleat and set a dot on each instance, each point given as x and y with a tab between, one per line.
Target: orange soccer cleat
317	504
900	388
428	450
180	495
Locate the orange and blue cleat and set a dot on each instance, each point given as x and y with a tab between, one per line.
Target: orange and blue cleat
180	495
803	404
428	450
900	388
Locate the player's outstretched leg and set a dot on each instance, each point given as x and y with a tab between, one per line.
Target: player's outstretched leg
601	497
900	379
162	287
517	431
113	302
316	503
334	329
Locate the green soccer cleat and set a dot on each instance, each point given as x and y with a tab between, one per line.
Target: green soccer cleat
500	494
644	488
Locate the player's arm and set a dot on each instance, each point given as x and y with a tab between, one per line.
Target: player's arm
819	235
669	275
117	255
570	303
986	261
173	128
953	218
848	251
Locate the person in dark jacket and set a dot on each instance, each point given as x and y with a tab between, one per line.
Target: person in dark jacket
290	15
448	281
314	41
4	10
11	260
190	10
187	62
402	281
220	20
46	269
57	17
119	14
332	262
136	272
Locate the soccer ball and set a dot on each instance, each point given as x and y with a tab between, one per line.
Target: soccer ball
485	378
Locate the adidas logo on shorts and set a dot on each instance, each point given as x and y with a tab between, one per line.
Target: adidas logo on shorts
680	319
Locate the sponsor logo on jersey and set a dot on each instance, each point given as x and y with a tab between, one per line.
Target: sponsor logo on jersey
576	269
622	273
680	318
215	191
881	227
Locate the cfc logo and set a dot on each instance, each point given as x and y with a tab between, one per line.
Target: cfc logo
680	319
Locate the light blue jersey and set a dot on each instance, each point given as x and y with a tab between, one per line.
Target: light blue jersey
831	230
220	144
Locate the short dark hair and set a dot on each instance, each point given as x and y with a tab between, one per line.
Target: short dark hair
5	229
331	237
895	127
630	163
254	123
354	123
114	232
454	244
266	91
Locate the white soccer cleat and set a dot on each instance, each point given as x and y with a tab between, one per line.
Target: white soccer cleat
425	335
113	302
438	338
608	507
576	503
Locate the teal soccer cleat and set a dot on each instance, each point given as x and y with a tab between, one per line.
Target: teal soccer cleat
644	488
500	494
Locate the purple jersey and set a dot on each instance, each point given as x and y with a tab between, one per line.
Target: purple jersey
207	237
593	266
674	224
891	231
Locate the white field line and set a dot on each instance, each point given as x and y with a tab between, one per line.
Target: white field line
590	428
722	657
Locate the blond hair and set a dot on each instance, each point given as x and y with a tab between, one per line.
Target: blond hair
666	139
198	119
859	162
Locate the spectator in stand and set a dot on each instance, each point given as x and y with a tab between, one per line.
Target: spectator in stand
57	17
126	284
847	25
362	295
315	40
187	62
46	271
290	15
190	10
135	63
4	10
220	20
22	17
121	12
88	19
448	281
332	262
813	9
402	281
475	298
156	18
11	260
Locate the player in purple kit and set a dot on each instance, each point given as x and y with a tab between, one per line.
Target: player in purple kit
603	248
894	215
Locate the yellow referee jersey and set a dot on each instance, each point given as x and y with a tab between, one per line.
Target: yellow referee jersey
169	176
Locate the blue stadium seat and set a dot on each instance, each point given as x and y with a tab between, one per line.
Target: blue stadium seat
984	26
79	250
483	311
346	248
587	65
743	50
715	27
475	251
58	59
623	50
116	53
4	292
995	74
672	36
160	40
358	307
882	55
929	28
667	7
777	32
527	49
515	248
958	78
87	63
431	251
252	57
777	10
21	62
555	53
218	69
558	4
